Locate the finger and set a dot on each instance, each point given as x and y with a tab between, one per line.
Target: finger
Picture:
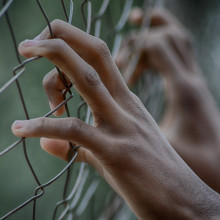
181	42
131	59
83	76
158	16
123	56
158	52
126	52
54	88
153	54
57	148
93	50
61	149
136	16
68	129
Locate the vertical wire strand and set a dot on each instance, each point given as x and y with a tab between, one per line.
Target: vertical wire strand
21	96
64	97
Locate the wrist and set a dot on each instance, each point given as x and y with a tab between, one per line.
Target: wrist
170	191
186	197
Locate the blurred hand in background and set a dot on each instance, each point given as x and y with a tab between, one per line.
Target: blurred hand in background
191	121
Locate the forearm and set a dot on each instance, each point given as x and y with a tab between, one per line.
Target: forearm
191	108
169	190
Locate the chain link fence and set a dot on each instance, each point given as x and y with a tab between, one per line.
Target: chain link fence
78	184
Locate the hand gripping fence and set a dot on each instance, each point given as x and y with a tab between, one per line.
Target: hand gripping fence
74	202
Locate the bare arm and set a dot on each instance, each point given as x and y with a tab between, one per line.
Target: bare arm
191	121
125	145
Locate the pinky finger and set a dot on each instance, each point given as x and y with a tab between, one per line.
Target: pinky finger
57	148
61	149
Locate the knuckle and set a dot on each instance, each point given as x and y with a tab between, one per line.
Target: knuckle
91	77
54	48
57	26
56	23
74	127
57	45
102	48
41	124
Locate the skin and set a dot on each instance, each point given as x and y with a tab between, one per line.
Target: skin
191	121
124	144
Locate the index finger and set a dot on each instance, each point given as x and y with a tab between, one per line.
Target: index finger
83	77
91	49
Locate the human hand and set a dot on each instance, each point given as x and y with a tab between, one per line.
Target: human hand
124	144
191	121
166	46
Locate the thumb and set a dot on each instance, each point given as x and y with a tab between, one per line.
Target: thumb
69	129
61	149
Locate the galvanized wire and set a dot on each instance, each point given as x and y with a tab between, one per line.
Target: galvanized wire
74	203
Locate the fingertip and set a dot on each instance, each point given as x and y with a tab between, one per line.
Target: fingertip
46	145
18	128
136	16
24	47
43	143
21	49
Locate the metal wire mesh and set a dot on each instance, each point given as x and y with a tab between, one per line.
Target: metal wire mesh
74	201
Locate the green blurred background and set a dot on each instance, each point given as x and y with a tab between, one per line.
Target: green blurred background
201	17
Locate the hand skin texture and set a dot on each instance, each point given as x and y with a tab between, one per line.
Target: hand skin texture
191	121
124	144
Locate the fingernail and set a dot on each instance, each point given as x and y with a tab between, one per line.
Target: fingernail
30	43
19	124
